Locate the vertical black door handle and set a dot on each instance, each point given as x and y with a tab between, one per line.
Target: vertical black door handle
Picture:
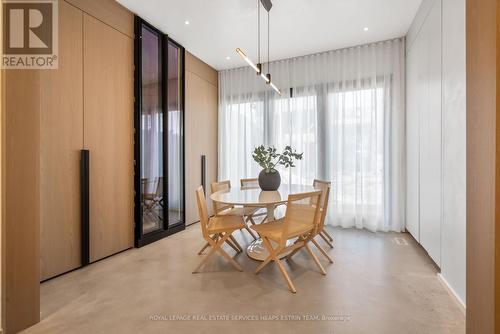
84	203
203	173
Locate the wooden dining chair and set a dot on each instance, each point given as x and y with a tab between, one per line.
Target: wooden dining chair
221	209
216	230
299	222
253	183
324	186
320	223
150	199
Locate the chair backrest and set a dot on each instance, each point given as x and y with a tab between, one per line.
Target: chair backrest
301	209
324	186
159	187
149	188
220	186
202	211
144	186
249	183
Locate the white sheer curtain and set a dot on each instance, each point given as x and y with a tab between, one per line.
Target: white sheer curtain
174	156
344	109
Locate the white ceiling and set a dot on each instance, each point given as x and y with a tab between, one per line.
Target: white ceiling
298	27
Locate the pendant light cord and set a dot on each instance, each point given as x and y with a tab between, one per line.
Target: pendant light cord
258	27
268	34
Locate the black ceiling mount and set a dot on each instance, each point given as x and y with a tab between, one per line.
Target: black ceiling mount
267	4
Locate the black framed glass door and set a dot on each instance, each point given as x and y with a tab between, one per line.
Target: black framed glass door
159	135
175	132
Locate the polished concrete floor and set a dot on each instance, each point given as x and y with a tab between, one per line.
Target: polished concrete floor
378	284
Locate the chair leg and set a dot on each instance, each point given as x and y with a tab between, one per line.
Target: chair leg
235	242
251	233
212	251
233	246
285	274
214	237
289	256
326	240
203	249
327	234
269	258
263	264
306	246
226	255
273	255
322	251
216	247
250	219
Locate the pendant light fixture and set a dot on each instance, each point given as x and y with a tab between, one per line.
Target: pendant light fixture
244	56
258	67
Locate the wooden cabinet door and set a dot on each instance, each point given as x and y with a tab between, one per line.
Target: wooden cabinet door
108	135
200	122
61	139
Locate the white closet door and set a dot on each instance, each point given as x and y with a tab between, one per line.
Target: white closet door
412	142
430	136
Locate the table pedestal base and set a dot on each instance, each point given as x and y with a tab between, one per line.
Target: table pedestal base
257	251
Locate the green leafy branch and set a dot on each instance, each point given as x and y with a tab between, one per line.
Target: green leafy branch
268	158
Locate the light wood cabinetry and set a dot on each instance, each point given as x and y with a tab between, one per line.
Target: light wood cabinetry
201	129
44	115
87	103
22	212
483	167
61	139
109	12
108	127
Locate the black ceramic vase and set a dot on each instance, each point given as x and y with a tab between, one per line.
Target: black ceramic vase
269	181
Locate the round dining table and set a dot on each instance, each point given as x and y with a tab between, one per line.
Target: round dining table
255	197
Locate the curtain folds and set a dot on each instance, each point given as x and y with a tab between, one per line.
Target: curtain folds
344	109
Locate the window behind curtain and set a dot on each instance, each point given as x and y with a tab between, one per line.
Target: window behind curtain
347	142
345	111
243	130
294	122
355	141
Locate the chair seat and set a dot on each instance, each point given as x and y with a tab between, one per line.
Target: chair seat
225	224
274	230
149	197
238	211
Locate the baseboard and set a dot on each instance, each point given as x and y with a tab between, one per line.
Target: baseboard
452	292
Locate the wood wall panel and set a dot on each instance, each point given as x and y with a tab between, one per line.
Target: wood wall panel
22	203
201	69
60	144
482	166
36	157
2	187
108	135
201	112
109	12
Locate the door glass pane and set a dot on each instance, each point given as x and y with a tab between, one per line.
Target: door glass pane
174	135
151	134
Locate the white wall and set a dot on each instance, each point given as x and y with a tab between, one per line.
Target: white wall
436	136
